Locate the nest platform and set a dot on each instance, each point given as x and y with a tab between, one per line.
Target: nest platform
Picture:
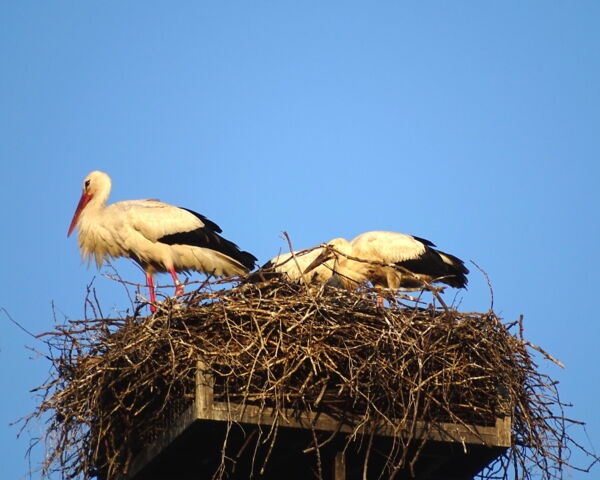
274	380
192	444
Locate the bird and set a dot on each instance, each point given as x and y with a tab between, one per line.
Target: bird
292	265
391	260
157	236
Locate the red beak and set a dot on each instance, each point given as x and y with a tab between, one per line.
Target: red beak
83	201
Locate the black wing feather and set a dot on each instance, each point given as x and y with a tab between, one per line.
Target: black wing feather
208	237
424	241
208	223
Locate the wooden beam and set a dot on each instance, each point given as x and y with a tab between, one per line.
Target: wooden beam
496	436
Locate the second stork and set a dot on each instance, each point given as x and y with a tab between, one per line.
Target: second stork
391	260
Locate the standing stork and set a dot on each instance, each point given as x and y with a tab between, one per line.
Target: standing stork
391	260
158	236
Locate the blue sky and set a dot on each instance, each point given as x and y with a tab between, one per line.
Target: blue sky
473	124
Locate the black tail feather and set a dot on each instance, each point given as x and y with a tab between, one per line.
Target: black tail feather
431	263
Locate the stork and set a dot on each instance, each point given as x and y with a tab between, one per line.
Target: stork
158	236
291	267
391	260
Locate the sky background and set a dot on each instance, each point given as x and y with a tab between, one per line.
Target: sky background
472	124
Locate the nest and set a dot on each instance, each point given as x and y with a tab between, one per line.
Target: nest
115	383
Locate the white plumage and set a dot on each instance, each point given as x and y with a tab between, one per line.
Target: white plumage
399	260
292	267
158	236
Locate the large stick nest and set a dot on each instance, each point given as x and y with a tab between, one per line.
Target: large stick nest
116	382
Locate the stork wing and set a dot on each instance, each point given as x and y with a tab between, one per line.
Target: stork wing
389	247
154	219
161	222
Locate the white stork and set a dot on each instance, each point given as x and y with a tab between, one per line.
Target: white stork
158	236
400	260
291	267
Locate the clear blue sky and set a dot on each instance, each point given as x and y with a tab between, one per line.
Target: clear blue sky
473	124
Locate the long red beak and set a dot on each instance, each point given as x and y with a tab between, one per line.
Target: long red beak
83	201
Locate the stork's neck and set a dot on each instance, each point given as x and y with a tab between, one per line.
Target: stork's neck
96	205
95	208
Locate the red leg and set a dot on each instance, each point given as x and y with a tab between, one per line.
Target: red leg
178	285
150	283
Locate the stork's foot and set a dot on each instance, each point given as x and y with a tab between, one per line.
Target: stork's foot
152	305
169	303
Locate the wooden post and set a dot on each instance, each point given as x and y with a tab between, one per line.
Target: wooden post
204	387
504	431
339	466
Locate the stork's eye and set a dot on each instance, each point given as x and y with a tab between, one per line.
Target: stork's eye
87	183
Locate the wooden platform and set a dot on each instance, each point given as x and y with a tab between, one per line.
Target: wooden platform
191	447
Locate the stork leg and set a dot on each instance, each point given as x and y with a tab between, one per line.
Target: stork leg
178	285
150	283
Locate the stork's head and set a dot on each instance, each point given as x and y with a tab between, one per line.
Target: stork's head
332	250
95	186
